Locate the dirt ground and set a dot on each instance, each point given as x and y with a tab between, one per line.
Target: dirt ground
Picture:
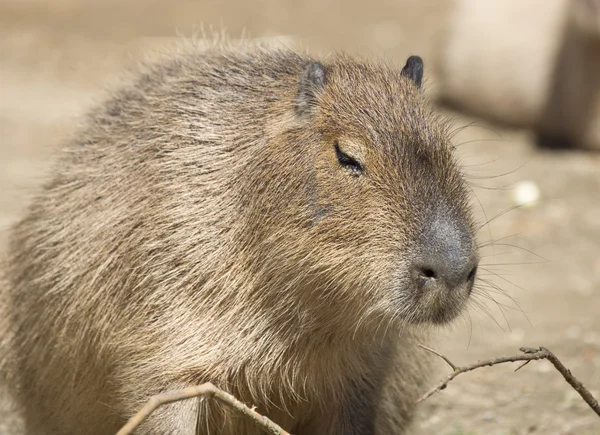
542	273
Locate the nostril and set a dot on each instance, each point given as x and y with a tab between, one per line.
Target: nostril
428	273
423	275
472	274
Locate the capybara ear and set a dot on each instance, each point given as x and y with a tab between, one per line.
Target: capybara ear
312	82
414	70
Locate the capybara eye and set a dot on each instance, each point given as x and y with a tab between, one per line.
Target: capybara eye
347	161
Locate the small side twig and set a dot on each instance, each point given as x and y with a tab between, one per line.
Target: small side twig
522	365
435	352
529	354
207	390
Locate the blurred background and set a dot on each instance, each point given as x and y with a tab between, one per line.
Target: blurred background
521	77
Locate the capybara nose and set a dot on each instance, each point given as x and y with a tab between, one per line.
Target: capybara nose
448	257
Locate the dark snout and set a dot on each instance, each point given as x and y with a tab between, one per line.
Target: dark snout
447	260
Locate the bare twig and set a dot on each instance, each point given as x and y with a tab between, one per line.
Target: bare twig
207	390
435	352
529	354
522	365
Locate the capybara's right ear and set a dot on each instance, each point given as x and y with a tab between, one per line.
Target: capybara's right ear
312	82
414	70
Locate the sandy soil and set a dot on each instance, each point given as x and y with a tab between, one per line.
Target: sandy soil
542	272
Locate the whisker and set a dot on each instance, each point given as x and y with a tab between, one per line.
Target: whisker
485	216
502	213
504	174
479	165
484	309
478	141
522	249
513	264
494	288
475	124
505	188
504	279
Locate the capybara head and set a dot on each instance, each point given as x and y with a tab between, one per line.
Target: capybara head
374	204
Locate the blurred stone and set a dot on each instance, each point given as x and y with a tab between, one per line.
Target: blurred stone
526	193
573	332
488	416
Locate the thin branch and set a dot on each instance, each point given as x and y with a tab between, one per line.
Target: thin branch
529	354
522	365
435	352
207	390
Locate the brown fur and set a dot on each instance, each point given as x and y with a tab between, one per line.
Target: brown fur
200	229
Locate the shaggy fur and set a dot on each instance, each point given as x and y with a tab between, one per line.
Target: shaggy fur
200	228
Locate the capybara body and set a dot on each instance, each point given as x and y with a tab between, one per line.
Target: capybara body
281	227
